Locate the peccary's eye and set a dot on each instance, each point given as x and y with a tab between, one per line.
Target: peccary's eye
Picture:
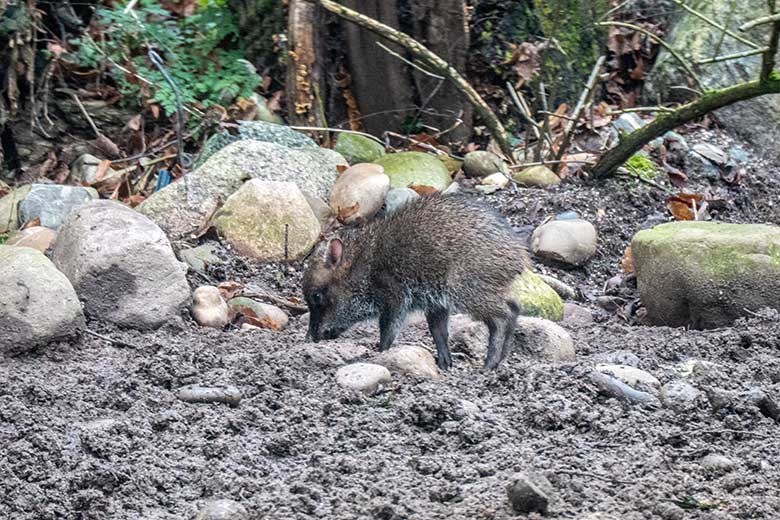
316	298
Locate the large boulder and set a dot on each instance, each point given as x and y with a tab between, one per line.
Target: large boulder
359	193
757	120
38	303
415	169
255	131
121	265
268	221
184	206
706	274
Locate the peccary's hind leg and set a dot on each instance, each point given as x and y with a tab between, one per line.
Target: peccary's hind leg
391	320
509	341
437	323
497	329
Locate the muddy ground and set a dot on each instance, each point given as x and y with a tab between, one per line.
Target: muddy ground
93	430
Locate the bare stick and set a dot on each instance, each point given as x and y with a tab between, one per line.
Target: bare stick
110	340
663	44
294	308
639	109
560	161
584	98
410	63
715	24
433	61
86	114
735	56
760	21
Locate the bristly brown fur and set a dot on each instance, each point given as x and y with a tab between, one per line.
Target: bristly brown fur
438	254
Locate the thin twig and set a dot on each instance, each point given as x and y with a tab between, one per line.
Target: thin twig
649	182
294	308
663	44
735	56
116	342
593	475
715	24
410	63
760	21
584	98
86	114
421	144
639	109
343	131
558	161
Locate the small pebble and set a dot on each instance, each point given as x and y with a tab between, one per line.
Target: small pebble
229	395
680	396
365	378
717	464
530	493
209	309
222	510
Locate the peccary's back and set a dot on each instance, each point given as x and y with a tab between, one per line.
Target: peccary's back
446	246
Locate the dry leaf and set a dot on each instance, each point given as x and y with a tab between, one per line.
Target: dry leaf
734	175
627	262
676	177
557	120
423	190
341	168
525	60
344	213
229	289
107	146
682	205
31	223
101	170
155	111
134	200
247	315
56	49
135	123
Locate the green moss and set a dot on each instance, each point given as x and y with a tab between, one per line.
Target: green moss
536	298
415	168
642	167
3	238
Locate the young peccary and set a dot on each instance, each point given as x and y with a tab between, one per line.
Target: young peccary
438	254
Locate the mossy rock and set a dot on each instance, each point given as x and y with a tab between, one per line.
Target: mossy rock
358	149
415	169
536	298
706	274
538	176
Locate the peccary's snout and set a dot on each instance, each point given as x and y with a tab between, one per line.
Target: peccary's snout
313	334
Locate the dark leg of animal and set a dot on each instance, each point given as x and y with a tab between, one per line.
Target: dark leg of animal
437	324
390	321
497	328
509	342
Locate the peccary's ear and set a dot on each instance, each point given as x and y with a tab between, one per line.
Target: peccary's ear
333	253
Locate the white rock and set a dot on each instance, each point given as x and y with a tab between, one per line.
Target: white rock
37	302
121	265
409	359
362	377
496	179
632	376
545	339
362	187
222	510
680	396
569	241
717	464
208	308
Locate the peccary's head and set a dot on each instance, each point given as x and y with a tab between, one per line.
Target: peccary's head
334	287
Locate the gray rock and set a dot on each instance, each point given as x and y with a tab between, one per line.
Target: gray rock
481	163
679	396
618	357
530	493
409	359
717	464
208	307
572	242
222	510
614	387
632	376
9	209
229	395
628	123
52	203
184	206
706	274
738	155
545	339
756	120
255	131
359	192
398	197
85	168
334	354
468	336
365	378
200	257
677	141
453	188
712	153
37	302
696	165
320	209
574	314
268	221
121	265
539	176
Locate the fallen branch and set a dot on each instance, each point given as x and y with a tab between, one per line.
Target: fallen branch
294	308
735	56
760	21
116	342
666	121
436	63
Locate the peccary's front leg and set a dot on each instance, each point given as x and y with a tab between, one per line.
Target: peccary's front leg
437	324
390	321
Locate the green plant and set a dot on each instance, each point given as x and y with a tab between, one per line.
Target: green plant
201	52
642	167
